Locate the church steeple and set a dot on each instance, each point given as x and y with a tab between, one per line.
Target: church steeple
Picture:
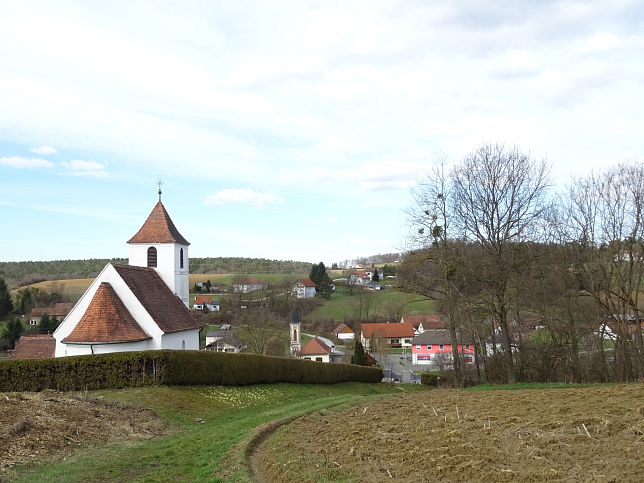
159	245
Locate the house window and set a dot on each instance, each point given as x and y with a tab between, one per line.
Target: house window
181	258
395	341
407	341
318	359
418	347
429	347
440	347
152	257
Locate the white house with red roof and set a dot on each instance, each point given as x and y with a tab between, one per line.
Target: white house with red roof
315	350
397	334
140	306
304	288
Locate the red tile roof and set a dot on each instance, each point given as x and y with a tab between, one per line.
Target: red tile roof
165	308
202	299
106	320
430	322
315	347
397	329
158	228
307	282
37	346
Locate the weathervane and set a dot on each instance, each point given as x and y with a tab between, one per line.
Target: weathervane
159	182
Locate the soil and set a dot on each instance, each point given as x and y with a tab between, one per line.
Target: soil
593	433
35	426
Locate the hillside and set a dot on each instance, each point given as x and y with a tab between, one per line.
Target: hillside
18	274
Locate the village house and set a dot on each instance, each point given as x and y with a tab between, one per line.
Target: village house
304	288
344	332
202	301
223	341
397	334
246	285
316	350
422	323
435	347
359	277
59	310
140	306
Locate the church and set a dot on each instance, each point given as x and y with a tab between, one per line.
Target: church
140	306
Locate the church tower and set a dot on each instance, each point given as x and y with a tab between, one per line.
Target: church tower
159	245
295	328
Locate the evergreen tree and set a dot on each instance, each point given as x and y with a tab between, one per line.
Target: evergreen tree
6	305
11	331
376	275
44	326
208	286
53	324
359	357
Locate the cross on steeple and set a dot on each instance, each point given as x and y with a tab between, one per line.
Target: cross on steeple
159	182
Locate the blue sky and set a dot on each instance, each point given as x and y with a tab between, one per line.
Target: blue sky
291	130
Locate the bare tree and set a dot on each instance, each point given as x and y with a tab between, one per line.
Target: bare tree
500	195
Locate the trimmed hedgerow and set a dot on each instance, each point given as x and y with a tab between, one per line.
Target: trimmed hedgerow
130	369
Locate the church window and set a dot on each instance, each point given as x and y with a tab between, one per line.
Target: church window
181	258
183	345
152	257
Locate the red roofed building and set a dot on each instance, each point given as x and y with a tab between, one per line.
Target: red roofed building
422	323
315	350
304	288
140	306
394	335
36	346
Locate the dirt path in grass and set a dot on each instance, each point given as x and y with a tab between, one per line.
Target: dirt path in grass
35	426
580	434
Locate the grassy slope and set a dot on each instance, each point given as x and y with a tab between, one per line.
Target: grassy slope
194	450
341	304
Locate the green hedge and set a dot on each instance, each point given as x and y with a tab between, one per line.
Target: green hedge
130	369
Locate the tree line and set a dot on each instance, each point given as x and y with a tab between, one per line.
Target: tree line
504	254
18	274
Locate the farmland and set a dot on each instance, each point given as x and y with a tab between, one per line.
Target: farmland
154	433
581	434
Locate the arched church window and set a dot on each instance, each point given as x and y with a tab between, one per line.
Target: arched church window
152	257
183	345
181	258
294	334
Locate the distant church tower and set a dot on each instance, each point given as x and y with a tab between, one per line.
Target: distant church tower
294	328
159	245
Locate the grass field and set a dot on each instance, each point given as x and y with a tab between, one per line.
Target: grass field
342	304
210	430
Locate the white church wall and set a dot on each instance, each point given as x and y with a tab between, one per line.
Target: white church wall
186	339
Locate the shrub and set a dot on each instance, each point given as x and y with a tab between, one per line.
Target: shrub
130	369
429	379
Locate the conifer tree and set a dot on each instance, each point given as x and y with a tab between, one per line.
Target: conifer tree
6	305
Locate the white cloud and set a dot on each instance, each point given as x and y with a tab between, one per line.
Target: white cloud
242	196
21	162
44	150
81	167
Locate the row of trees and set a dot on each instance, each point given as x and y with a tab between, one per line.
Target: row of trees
500	251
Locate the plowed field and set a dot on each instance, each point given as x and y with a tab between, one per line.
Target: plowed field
35	426
593	433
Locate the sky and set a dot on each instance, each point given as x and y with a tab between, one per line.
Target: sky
292	130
